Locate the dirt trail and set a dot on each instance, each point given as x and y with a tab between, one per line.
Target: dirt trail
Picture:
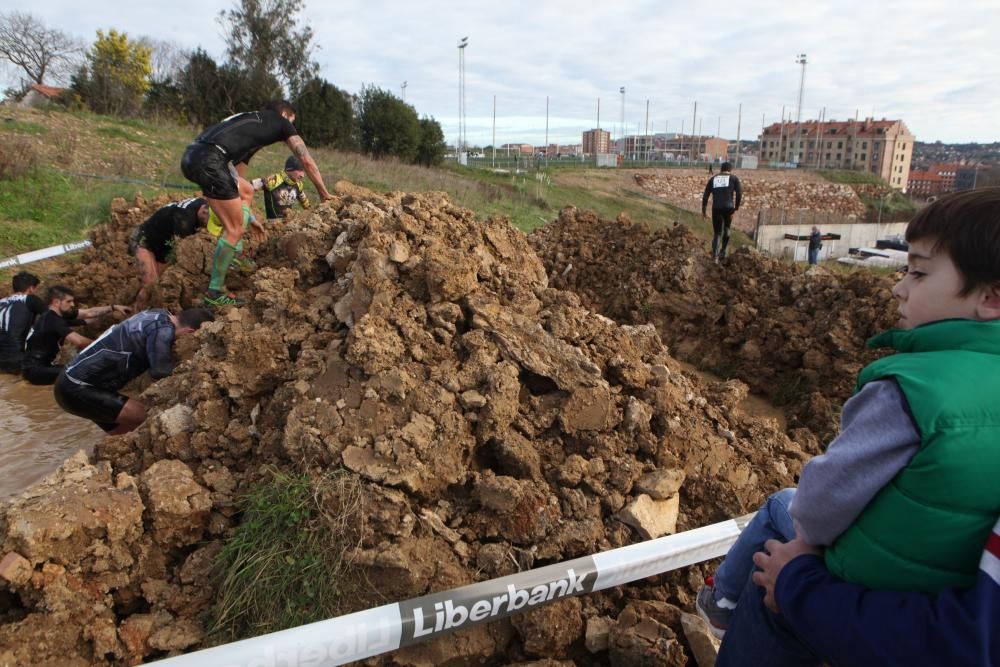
794	335
493	421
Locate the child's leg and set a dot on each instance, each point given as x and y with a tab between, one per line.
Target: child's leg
756	636
772	522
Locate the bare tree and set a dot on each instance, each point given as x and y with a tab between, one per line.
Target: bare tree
34	49
166	58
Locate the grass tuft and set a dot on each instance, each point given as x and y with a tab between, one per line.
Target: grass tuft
289	562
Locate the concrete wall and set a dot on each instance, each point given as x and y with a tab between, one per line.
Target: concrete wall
771	238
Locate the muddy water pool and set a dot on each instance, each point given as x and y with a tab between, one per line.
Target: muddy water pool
36	436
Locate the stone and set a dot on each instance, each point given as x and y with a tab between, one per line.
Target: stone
703	643
651	518
660	484
176	420
16	569
472	399
596	636
177	505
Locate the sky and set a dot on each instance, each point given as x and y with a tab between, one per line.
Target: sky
930	63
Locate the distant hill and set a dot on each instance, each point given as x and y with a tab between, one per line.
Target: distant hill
925	153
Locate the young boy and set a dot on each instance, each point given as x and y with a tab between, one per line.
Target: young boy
905	497
283	189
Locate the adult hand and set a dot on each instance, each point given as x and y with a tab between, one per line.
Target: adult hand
770	561
257	232
124	310
326	196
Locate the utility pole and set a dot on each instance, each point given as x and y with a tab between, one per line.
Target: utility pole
781	136
622	91
646	139
760	147
464	42
801	60
739	124
694	117
494	131
718	130
682	137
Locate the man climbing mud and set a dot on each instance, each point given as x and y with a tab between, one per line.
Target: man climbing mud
217	161
153	240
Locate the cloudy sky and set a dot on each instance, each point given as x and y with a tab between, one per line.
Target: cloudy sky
934	64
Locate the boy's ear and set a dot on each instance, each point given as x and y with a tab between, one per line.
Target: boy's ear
989	303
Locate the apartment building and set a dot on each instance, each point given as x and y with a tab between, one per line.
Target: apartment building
596	141
880	147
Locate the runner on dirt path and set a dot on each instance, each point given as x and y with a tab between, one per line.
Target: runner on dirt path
88	386
217	161
17	314
152	241
727	195
52	328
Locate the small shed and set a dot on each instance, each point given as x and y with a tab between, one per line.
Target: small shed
39	95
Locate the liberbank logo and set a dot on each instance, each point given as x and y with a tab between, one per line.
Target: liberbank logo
490	600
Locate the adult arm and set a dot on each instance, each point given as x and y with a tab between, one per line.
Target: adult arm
298	148
847	624
738	187
90	314
77	341
704	197
158	349
877	439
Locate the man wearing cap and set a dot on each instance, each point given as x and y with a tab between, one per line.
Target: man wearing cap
283	189
217	161
152	241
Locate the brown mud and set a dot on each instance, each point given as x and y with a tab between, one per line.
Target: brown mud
493	419
792	334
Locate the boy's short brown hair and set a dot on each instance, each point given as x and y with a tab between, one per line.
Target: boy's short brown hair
966	225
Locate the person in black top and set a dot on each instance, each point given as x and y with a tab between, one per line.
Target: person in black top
815	244
17	314
152	241
217	161
727	195
88	385
52	328
283	189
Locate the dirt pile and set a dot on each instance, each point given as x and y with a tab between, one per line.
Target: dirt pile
794	335
760	191
493	422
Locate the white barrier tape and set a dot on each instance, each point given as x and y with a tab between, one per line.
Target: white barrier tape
44	253
368	633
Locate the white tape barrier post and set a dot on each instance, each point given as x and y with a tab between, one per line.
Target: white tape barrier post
44	253
364	634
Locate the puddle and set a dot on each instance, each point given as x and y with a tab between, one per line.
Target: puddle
36	436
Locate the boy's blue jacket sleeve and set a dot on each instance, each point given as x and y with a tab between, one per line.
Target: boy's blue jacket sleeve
849	625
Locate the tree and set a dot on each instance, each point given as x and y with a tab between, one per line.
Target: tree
117	74
198	83
325	116
432	148
35	50
265	43
388	126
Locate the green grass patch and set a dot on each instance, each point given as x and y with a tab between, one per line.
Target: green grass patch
23	127
44	208
289	561
850	177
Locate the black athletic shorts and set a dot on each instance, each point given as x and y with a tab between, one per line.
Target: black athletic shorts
210	168
722	218
98	405
41	374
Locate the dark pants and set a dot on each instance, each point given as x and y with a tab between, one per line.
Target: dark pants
722	219
756	637
41	374
813	255
100	406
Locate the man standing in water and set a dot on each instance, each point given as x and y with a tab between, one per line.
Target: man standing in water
17	314
217	161
88	386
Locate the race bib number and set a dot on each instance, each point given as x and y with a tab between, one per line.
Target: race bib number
721	181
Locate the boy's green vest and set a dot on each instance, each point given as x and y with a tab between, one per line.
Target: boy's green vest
926	529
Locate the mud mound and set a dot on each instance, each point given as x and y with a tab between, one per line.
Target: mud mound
493	423
794	335
760	191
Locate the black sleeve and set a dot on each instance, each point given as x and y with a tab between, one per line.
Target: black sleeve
739	191
158	346
287	129
185	222
704	197
35	305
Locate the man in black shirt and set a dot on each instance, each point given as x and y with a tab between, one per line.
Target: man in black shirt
217	161
153	240
88	386
727	195
17	314
52	328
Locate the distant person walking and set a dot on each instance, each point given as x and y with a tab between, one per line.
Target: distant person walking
217	161
815	244
727	195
